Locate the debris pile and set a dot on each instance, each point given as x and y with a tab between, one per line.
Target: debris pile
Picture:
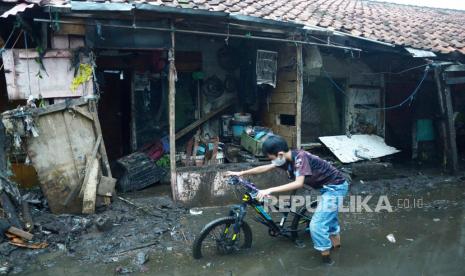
64	143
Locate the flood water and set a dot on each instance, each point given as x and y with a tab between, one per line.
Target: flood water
430	240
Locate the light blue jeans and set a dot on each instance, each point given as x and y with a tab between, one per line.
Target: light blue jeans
325	218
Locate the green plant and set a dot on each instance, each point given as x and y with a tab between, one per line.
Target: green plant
164	162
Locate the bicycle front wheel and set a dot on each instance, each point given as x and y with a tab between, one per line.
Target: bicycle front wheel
218	237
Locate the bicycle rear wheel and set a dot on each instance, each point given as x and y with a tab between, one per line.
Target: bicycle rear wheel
217	237
301	222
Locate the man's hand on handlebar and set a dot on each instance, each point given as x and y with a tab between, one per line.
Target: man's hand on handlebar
230	173
263	194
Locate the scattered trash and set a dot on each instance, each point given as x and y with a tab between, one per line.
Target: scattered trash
391	238
409	240
362	182
103	223
169	248
141	258
436	219
195	211
4	269
123	270
61	247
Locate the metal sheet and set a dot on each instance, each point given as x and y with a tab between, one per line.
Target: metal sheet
17	9
93	6
357	147
419	53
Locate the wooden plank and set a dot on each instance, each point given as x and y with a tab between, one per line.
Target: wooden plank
288	109
285	86
285	130
74	192
10	75
172	112
98	132
455	80
106	186
133	115
200	121
299	96
283	98
61	106
83	112
455	68
26	214
287	76
90	189
442	123
60	42
55	82
56	53
51	155
20	233
451	130
72	29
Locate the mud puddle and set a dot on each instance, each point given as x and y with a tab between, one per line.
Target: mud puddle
430	240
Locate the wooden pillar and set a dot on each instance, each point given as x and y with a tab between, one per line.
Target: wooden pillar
171	100
451	129
299	95
446	124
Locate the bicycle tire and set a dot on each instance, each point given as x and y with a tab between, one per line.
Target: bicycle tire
197	245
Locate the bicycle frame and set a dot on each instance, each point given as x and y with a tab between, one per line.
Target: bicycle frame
240	211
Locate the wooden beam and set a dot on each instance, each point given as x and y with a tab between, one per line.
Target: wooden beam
90	188
447	126
20	233
78	188
455	80
200	121
299	96
172	112
455	68
451	130
442	124
98	133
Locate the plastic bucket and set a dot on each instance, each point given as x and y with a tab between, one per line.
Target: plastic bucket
238	127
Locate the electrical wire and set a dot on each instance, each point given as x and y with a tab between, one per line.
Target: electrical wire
8	39
398	73
409	98
14	44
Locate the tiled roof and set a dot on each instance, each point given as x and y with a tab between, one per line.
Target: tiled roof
439	30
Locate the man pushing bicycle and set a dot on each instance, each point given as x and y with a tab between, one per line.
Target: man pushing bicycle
308	171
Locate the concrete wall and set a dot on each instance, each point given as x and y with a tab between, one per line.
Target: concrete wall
206	186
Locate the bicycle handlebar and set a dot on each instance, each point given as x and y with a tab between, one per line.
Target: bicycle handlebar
236	180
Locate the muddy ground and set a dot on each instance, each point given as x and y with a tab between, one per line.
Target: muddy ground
156	238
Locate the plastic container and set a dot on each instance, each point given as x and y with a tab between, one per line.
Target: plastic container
226	125
238	127
243	117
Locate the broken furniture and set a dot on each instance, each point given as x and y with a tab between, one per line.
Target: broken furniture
138	172
59	141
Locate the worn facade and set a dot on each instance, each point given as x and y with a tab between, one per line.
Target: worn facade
340	70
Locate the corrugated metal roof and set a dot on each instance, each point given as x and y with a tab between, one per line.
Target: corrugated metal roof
17	9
